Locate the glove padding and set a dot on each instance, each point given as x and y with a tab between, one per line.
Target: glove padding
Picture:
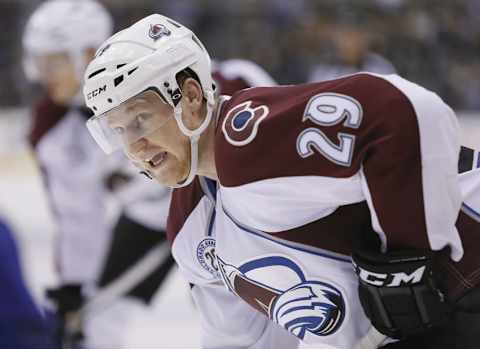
399	293
68	300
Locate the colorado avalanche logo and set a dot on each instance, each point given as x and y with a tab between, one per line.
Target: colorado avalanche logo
302	306
240	126
157	31
206	256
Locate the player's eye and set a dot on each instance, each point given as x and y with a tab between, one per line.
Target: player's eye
119	130
141	120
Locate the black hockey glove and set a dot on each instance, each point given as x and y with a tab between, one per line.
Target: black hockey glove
399	292
68	300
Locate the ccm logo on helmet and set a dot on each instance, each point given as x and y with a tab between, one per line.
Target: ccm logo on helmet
96	92
390	279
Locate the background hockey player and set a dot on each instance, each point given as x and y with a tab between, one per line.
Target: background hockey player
94	249
308	176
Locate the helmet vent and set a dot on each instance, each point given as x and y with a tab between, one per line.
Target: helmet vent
131	71
96	73
118	80
121	65
195	40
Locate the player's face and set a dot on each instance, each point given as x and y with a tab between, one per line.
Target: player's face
57	74
151	137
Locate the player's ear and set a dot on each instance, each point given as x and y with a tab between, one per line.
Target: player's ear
192	92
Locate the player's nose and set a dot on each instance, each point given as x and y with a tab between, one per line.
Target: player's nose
137	149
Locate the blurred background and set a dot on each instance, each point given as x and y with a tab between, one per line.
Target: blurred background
433	42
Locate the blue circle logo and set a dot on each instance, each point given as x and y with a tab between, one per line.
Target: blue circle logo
206	256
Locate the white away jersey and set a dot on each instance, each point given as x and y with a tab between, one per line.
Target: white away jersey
303	171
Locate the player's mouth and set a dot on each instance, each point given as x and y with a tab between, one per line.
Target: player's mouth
157	160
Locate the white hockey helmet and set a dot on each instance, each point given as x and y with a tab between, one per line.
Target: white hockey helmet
69	26
146	56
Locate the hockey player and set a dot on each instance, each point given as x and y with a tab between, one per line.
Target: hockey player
291	185
59	40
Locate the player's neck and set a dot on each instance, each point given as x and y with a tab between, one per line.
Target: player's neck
206	152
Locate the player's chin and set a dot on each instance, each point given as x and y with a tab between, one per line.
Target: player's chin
171	173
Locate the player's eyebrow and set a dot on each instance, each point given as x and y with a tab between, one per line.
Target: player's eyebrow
135	104
125	112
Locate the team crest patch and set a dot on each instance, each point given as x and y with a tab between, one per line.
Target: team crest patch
157	31
240	126
305	307
206	256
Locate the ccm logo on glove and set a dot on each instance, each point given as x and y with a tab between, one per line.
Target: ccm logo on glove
390	279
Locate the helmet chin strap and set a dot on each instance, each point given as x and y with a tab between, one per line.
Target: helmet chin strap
194	136
193	163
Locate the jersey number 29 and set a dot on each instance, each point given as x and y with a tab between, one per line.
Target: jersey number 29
329	109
